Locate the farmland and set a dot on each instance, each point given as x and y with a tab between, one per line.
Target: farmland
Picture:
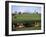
26	17
28	20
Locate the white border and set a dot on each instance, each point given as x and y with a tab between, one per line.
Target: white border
30	31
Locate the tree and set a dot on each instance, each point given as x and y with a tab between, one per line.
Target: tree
36	12
15	12
19	13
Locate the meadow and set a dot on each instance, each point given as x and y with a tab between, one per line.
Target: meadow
28	20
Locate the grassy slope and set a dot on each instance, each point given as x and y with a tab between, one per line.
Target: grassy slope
28	17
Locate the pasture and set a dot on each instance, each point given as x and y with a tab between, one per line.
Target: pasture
28	20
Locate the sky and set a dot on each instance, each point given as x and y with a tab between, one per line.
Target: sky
30	9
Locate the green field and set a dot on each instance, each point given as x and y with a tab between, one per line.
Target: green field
28	19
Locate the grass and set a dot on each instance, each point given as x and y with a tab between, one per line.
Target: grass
26	17
29	28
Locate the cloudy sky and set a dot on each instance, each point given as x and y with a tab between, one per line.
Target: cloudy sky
29	9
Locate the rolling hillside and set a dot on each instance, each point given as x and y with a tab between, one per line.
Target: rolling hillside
26	17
